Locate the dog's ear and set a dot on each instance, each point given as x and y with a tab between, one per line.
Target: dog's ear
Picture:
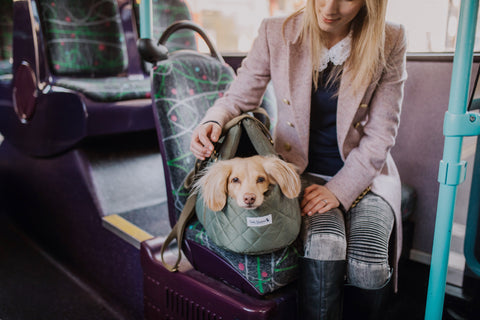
284	174
213	185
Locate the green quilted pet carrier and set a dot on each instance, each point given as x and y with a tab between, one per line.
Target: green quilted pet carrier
272	226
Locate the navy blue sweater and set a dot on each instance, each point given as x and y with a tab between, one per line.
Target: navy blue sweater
324	157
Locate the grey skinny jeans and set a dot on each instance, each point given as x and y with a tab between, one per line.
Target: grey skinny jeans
360	236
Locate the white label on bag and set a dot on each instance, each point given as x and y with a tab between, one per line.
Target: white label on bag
259	221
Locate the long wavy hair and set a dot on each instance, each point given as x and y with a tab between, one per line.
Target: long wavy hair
368	39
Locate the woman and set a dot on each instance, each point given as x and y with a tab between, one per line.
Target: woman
338	71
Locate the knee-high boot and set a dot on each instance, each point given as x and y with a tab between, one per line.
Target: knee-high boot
320	294
366	304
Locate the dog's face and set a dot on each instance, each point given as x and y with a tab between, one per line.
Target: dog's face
247	180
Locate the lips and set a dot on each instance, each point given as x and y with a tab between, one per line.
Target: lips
330	20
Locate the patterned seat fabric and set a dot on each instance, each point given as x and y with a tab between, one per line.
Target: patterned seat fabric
87	49
108	89
84	37
166	12
6	27
184	87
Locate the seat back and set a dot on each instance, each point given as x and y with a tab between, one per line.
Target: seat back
84	37
184	86
6	27
166	12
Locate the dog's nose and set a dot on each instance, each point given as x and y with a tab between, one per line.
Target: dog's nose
249	198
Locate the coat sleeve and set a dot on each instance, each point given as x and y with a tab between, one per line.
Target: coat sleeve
246	91
367	160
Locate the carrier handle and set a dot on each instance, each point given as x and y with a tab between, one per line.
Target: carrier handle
236	120
186	24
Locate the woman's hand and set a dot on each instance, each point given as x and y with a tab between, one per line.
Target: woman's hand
203	138
318	199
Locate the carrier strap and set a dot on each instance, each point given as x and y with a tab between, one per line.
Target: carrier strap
178	231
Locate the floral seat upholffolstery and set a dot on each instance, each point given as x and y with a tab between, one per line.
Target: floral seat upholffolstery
87	49
184	87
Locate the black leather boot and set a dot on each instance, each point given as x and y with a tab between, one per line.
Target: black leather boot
366	304
320	292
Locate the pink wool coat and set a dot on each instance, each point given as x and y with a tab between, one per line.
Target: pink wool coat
367	118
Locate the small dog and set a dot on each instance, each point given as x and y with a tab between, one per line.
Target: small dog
247	180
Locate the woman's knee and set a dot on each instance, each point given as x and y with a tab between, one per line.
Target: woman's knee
324	236
367	275
326	247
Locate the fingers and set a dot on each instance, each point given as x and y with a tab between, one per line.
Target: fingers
216	132
318	199
203	138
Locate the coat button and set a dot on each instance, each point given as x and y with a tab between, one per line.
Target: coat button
286	101
287	146
290	124
356	125
364	105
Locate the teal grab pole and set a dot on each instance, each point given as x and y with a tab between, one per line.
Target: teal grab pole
452	171
146	19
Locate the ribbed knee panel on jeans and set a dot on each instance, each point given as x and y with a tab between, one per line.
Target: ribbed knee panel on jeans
361	237
369	226
324	236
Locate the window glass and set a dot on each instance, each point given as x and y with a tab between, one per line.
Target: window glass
431	24
232	24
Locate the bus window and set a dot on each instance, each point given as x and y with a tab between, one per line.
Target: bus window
232	24
431	24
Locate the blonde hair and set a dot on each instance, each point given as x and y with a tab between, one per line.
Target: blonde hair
368	39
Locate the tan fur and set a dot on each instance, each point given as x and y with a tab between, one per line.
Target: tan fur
246	180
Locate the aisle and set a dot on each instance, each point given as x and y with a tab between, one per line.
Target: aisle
35	286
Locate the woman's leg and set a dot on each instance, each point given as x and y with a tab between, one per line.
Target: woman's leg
323	234
322	269
369	226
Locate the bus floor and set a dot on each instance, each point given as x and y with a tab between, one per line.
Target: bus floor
34	285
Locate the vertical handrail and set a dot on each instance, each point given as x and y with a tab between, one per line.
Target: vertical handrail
452	170
146	19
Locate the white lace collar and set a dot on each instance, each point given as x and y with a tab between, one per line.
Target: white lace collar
337	54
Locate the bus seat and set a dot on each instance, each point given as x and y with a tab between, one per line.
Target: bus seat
87	49
184	86
166	12
6	25
72	77
180	103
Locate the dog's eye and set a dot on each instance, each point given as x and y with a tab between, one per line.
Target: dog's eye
235	180
260	179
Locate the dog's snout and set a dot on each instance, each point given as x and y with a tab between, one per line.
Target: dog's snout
249	198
